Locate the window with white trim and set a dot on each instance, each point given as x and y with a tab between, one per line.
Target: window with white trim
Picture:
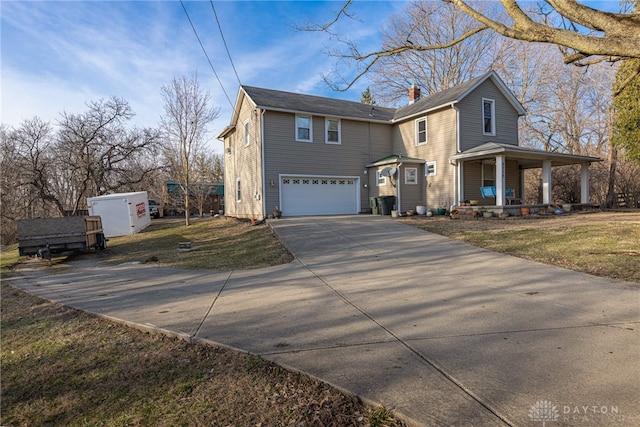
421	131
380	179
304	128
332	131
246	133
488	117
410	175
488	174
430	169
238	191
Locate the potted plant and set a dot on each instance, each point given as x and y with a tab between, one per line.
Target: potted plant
421	208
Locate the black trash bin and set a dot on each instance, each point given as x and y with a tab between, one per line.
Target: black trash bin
386	204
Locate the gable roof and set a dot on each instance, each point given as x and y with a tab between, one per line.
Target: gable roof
454	95
289	102
276	100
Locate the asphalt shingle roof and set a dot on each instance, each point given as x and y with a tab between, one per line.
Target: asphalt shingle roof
295	102
437	99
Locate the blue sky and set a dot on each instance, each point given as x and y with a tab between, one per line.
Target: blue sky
57	55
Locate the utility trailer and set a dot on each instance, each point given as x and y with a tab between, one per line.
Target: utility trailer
46	236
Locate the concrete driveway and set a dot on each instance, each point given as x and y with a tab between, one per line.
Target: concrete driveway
445	333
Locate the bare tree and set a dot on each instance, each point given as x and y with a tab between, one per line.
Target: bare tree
187	115
99	153
585	35
429	23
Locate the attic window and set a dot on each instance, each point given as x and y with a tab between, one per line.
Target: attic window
304	128
488	117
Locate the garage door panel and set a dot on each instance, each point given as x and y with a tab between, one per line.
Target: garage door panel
319	195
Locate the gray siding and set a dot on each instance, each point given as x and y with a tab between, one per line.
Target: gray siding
473	181
471	123
361	143
438	190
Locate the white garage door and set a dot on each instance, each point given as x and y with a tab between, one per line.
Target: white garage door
304	195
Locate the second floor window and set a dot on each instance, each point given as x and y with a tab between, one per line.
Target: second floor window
246	133
488	117
304	129
333	131
421	131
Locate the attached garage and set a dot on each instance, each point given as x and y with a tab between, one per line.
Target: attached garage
319	195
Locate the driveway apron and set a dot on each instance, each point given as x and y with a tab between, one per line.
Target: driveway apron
444	332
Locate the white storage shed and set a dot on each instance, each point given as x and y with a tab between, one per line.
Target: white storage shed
121	213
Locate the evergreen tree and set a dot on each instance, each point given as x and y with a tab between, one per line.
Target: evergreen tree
626	125
367	97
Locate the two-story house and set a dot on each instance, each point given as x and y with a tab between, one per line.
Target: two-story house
309	155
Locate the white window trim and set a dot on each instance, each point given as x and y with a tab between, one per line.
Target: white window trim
310	128
381	180
238	190
247	140
493	117
426	169
413	181
326	131
426	131
492	167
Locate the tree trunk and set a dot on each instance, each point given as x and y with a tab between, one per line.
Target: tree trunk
612	199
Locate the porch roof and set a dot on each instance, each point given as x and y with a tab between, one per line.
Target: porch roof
393	159
527	157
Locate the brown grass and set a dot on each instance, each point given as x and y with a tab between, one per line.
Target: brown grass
604	244
62	367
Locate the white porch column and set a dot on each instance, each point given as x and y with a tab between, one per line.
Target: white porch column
461	196
584	184
546	182
500	178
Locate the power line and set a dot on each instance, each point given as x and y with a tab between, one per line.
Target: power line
205	54
225	42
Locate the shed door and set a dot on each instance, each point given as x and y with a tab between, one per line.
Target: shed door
303	195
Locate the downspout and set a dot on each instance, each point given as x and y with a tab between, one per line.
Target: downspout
398	188
264	180
457	170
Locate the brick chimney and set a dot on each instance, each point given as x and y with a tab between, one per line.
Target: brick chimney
414	94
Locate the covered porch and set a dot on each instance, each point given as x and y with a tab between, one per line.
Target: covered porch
493	175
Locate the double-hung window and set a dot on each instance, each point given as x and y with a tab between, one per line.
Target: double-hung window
488	174
381	180
411	175
332	131
304	128
238	191
421	131
488	117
